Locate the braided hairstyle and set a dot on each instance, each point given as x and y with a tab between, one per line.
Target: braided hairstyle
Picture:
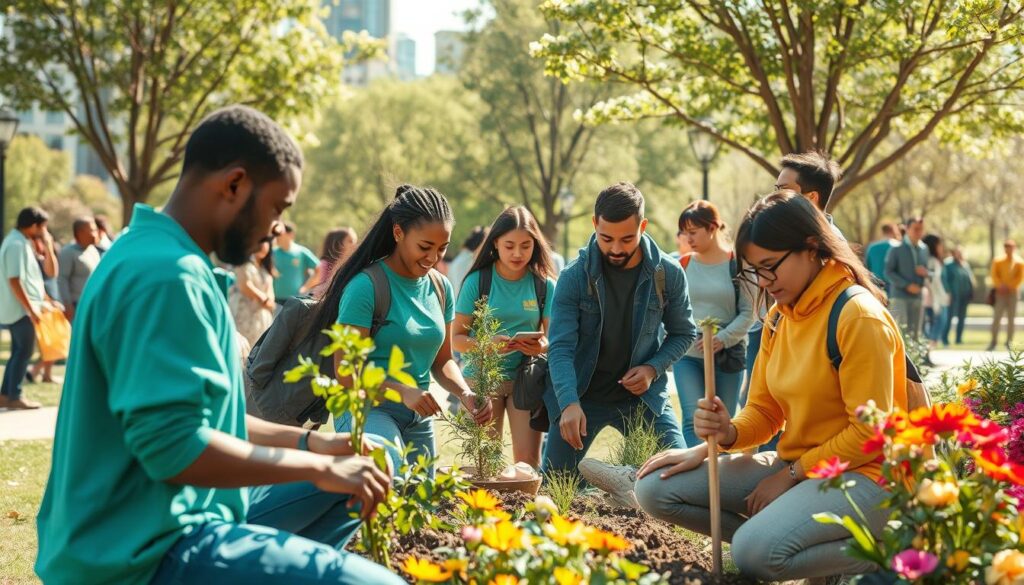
411	207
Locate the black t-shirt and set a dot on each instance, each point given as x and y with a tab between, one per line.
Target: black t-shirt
616	335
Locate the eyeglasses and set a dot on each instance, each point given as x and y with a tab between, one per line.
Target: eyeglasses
751	275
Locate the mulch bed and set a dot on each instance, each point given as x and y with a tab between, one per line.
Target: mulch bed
656	544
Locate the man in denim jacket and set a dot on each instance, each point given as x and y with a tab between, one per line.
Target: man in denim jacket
606	358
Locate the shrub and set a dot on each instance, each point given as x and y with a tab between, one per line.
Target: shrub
640	441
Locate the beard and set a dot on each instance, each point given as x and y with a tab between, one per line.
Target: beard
619	260
241	238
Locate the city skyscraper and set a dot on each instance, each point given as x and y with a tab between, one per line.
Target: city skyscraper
405	57
373	16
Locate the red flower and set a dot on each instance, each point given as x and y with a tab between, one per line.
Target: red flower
997	465
985	435
944	419
875	443
830	469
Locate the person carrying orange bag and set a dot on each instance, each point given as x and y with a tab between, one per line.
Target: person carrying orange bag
53	334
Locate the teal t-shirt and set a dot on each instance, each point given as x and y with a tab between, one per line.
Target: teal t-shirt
514	303
416	322
153	370
293	268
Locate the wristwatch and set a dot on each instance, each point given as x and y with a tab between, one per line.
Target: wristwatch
304	441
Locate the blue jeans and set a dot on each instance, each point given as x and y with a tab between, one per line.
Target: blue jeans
296	534
938	325
23	343
559	455
395	423
689	376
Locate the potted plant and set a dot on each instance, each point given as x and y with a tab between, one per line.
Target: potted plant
479	445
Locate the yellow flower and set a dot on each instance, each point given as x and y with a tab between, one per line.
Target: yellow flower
967	387
503	536
606	541
1007	569
958	561
424	570
564	576
566	532
480	500
938	494
456	567
499	515
504	579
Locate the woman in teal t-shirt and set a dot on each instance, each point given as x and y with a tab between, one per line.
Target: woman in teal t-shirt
516	255
408	239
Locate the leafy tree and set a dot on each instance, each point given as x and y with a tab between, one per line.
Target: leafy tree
34	173
136	77
778	76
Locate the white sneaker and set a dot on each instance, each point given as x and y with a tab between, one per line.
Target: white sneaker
616	480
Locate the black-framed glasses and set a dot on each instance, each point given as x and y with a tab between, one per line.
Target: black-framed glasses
751	275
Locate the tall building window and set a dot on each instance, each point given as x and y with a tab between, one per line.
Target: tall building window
54	117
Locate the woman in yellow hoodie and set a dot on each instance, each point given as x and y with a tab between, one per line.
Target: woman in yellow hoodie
767	499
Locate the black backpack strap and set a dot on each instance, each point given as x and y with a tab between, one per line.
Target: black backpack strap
484	287
437	280
381	296
831	341
540	288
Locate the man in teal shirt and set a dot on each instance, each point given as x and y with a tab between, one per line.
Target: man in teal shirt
153	450
296	266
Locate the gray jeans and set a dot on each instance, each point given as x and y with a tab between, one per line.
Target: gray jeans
782	541
1006	306
908	312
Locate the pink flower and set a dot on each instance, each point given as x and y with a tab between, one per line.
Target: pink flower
830	469
472	534
913	564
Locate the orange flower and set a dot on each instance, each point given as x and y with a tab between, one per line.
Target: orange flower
958	561
566	532
480	500
832	468
424	570
606	541
503	536
967	387
944	419
504	579
456	567
997	465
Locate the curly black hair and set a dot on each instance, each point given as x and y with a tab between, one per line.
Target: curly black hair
240	135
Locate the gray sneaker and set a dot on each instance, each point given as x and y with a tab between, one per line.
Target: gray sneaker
616	480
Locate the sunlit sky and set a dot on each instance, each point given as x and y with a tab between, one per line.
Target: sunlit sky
420	19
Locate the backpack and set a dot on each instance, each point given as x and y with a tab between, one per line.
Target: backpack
268	396
531	374
731	359
917	392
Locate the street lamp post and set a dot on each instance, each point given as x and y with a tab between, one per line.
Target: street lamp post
705	149
8	126
566	197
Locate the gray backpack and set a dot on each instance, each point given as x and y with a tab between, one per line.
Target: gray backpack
267	395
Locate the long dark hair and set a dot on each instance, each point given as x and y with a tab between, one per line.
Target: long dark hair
411	207
932	241
334	243
268	261
515	218
785	220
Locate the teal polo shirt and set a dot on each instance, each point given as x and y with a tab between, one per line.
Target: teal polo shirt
514	304
153	371
416	322
18	260
293	268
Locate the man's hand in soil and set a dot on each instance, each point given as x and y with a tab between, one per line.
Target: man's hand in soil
638	380
768	489
359	477
673	461
573	425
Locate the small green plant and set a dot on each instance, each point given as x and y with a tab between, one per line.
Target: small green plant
916	347
480	444
360	389
640	441
563	486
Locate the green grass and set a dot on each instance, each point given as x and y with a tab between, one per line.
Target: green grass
23	471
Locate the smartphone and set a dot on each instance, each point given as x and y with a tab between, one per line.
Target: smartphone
527	335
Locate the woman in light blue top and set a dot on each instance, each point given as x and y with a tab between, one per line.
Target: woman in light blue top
408	239
710	272
516	260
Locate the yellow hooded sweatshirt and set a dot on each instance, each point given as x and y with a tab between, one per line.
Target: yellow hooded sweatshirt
794	385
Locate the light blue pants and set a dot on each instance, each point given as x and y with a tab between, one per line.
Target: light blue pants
689	376
396	423
295	534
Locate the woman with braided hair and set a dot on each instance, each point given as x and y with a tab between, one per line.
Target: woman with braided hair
405	243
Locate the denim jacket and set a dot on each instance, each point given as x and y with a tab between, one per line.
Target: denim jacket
577	318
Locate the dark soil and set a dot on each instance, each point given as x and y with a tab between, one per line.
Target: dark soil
655	544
